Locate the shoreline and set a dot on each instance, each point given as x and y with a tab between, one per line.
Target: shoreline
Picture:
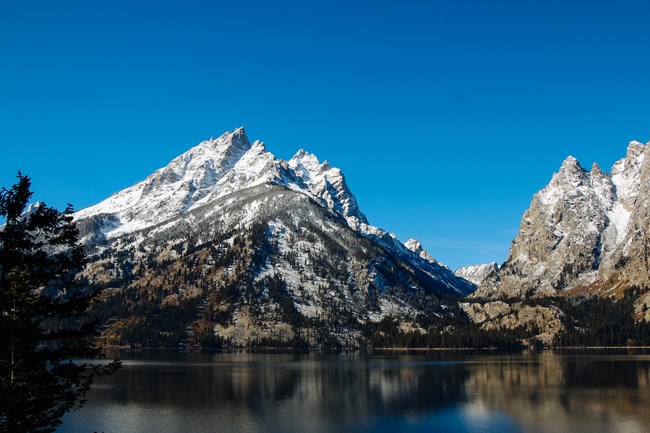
375	349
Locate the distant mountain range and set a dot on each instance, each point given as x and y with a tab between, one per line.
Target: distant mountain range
228	245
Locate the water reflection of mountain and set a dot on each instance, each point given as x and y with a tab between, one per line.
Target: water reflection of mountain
542	392
566	392
260	382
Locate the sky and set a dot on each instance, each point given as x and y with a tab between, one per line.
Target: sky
445	116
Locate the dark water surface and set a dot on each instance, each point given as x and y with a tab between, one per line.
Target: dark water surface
562	391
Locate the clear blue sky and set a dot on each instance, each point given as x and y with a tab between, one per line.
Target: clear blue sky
445	116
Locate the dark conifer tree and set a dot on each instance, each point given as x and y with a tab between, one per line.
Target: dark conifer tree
45	315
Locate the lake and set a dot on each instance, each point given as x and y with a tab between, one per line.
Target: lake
549	391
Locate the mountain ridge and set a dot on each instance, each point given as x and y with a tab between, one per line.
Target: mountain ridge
249	249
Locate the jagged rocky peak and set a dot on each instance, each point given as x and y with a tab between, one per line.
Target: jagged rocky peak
597	175
627	168
600	179
307	165
570	174
633	159
217	167
635	151
477	273
415	246
218	154
236	139
626	174
328	184
596	170
571	165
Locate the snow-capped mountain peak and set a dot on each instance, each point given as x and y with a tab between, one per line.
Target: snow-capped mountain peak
215	168
188	179
235	139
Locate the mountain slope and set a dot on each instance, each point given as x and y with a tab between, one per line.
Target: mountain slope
237	247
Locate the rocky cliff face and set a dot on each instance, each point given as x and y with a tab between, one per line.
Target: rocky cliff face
630	258
498	315
586	231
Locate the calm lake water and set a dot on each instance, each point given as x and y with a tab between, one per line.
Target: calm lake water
563	391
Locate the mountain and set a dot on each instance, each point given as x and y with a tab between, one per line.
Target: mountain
476	274
585	233
229	245
213	169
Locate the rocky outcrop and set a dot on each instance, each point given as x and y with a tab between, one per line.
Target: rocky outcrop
501	315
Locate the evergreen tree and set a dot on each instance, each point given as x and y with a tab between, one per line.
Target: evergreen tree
45	315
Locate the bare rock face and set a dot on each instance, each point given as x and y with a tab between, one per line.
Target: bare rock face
630	261
585	231
483	313
501	315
